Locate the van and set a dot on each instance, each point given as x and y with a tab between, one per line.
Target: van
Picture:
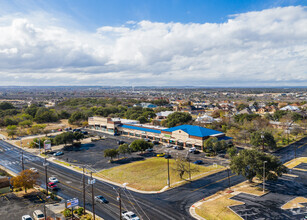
38	215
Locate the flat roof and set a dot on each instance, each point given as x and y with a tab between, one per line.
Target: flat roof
193	130
141	128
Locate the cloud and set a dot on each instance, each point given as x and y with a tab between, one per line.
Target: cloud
257	48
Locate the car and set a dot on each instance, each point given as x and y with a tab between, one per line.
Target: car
198	162
60	129
52	186
128	215
160	154
26	217
76	130
178	147
169	146
192	149
101	199
33	170
149	150
59	153
120	142
147	139
38	215
167	156
53	180
196	152
155	142
84	132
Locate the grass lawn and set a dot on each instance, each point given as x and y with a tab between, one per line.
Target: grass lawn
295	203
295	162
151	174
216	206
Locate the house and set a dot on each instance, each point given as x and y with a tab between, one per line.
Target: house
163	115
145	105
245	111
4	184
290	108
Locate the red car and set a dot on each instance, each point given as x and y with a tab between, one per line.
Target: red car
52	186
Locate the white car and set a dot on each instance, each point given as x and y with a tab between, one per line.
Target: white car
38	215
26	217
53	179
192	149
128	215
34	170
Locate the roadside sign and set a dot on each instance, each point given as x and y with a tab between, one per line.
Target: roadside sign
47	145
91	181
45	164
72	203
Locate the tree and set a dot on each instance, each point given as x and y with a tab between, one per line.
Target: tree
142	119
209	143
123	149
11	130
182	167
77	118
26	123
177	118
232	151
110	153
249	163
38	129
6	106
140	145
267	141
44	115
78	136
26	179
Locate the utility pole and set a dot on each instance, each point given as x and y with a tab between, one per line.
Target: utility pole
120	204
83	192
264	162
46	176
22	163
189	168
93	201
168	176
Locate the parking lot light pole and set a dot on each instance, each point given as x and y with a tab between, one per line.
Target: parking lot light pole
93	201
45	164
228	169
83	191
168	176
264	162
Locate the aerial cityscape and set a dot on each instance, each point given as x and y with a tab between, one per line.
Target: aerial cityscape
153	110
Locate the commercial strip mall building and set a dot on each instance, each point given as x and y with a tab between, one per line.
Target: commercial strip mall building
183	135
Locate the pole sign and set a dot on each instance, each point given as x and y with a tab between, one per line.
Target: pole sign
91	181
72	203
47	145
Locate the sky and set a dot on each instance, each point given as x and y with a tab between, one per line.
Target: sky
238	43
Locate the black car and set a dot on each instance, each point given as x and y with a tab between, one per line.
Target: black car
76	130
198	162
84	132
167	156
101	199
196	152
120	142
155	142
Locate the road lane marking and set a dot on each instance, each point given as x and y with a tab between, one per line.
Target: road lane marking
214	182
301	146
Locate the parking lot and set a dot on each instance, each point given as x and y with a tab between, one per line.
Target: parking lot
14	207
92	153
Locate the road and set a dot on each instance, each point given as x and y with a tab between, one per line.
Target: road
172	204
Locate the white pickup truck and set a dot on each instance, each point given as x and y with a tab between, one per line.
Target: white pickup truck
128	215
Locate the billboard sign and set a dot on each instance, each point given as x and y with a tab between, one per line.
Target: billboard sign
72	203
47	145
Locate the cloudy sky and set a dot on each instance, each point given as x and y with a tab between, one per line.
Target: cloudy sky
157	42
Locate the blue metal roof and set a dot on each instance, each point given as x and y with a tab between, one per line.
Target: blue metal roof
225	138
141	129
194	130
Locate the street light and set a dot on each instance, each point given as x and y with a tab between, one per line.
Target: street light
264	162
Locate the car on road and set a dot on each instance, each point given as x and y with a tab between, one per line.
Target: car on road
52	186
38	215
128	215
84	132
198	162
149	150
160	154
53	180
101	199
59	153
33	170
26	217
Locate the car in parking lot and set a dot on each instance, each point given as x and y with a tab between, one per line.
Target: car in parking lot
155	142
198	162
59	153
128	215
192	149
53	180
120	142
101	199
196	152
76	130
26	217
38	215
178	147
167	156
160	154
33	170
84	132
169	146
149	150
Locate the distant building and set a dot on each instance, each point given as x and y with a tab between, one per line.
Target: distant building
163	115
145	105
4	184
290	108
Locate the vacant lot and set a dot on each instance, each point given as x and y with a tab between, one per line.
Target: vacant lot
151	174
